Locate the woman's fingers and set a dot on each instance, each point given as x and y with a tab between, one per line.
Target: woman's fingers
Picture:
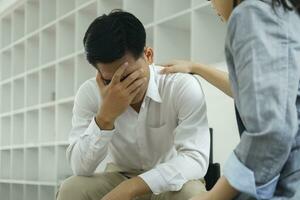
168	70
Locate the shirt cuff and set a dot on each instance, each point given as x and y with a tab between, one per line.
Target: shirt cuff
154	180
96	133
242	178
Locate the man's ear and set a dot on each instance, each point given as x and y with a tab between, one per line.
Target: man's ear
148	54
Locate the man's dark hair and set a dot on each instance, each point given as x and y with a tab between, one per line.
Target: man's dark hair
110	36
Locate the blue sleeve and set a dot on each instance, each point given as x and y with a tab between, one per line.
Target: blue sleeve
265	90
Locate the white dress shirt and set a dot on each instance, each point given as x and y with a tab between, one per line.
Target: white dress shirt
167	141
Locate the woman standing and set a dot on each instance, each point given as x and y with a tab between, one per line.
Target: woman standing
263	57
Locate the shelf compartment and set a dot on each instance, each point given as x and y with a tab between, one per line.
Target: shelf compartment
18	62
17	191
64	121
5	191
6	65
105	6
47	11
84	17
32	127
32	15
63	168
32	89
208	34
46	164
32	52
17	172
84	70
6	30
48	85
31	192
64	7
19	87
6	131
169	7
18	23
65	79
6	99
173	39
31	164
142	9
18	129
5	164
48	46
47	192
66	36
47	129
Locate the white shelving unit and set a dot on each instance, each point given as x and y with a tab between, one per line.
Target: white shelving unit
42	65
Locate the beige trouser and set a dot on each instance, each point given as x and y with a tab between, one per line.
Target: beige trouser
97	186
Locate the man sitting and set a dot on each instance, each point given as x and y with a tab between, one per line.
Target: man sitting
153	126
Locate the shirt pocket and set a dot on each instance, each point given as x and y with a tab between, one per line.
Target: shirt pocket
160	140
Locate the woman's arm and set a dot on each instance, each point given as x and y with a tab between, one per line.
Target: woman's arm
216	77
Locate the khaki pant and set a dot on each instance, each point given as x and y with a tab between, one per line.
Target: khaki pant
97	186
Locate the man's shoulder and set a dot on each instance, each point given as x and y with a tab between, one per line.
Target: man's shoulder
175	80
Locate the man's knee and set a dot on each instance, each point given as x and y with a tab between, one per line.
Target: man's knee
73	188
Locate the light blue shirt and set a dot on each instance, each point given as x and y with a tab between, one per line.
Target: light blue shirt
263	57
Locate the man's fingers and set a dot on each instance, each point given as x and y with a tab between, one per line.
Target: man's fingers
135	85
118	74
131	78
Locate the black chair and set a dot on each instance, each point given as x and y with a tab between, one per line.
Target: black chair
214	169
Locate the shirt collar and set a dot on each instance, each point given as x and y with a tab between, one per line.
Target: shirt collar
152	90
